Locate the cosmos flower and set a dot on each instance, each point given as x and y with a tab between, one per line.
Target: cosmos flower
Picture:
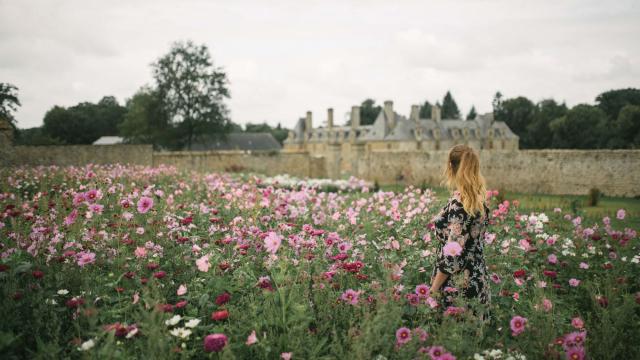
145	204
517	325
403	335
215	342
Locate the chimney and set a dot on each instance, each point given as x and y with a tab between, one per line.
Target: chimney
435	113
388	111
415	113
330	118
308	126
355	117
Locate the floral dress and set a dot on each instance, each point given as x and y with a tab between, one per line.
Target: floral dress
468	269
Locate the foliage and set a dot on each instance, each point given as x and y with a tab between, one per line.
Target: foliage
581	128
425	110
192	91
137	262
613	101
449	107
9	101
146	121
85	122
594	197
625	130
35	136
472	113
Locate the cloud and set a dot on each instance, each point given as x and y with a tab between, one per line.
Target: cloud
285	57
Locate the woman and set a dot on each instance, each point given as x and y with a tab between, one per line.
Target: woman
459	228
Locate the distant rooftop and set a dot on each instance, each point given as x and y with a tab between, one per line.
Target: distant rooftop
257	141
109	140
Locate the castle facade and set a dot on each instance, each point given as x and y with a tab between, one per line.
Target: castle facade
393	132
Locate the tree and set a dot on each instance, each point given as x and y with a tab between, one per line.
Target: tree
425	110
449	107
9	101
472	113
518	113
35	136
538	131
369	112
146	122
192	91
612	101
626	129
497	104
580	128
85	122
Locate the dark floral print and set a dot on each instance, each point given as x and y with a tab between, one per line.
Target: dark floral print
467	270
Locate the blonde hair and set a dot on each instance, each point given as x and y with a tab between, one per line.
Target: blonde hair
462	172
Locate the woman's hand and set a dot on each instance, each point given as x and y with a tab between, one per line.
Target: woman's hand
437	282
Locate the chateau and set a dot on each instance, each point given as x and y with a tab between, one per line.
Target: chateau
393	132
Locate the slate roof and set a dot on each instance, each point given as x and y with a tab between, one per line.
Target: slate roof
109	140
257	141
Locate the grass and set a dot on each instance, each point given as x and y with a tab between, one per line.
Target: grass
607	206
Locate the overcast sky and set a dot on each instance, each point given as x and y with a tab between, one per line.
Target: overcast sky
286	57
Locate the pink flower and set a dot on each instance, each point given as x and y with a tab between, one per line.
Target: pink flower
575	353
452	248
403	335
85	258
96	208
517	325
145	204
435	352
350	296
620	214
71	218
552	259
449	356
584	265
574	339
203	263
272	242
422	291
214	342
421	334
286	355
181	290
574	282
140	252
546	303
577	323
252	339
495	278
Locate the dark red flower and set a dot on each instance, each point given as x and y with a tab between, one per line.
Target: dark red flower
550	273
4	267
129	274
519	273
224	265
37	274
214	342
219	315
223	299
602	300
186	221
180	304
152	266
164	308
159	274
74	302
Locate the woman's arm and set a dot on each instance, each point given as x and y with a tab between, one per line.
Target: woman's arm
437	281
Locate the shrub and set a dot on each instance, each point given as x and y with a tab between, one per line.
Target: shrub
594	197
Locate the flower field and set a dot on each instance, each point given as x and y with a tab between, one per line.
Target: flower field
136	262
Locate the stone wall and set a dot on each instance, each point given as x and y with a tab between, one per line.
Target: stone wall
83	154
614	172
269	163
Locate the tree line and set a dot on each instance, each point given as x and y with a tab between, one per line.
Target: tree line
186	100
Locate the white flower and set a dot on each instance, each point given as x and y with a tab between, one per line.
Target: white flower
132	333
192	323
477	356
181	332
86	345
174	320
63	292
